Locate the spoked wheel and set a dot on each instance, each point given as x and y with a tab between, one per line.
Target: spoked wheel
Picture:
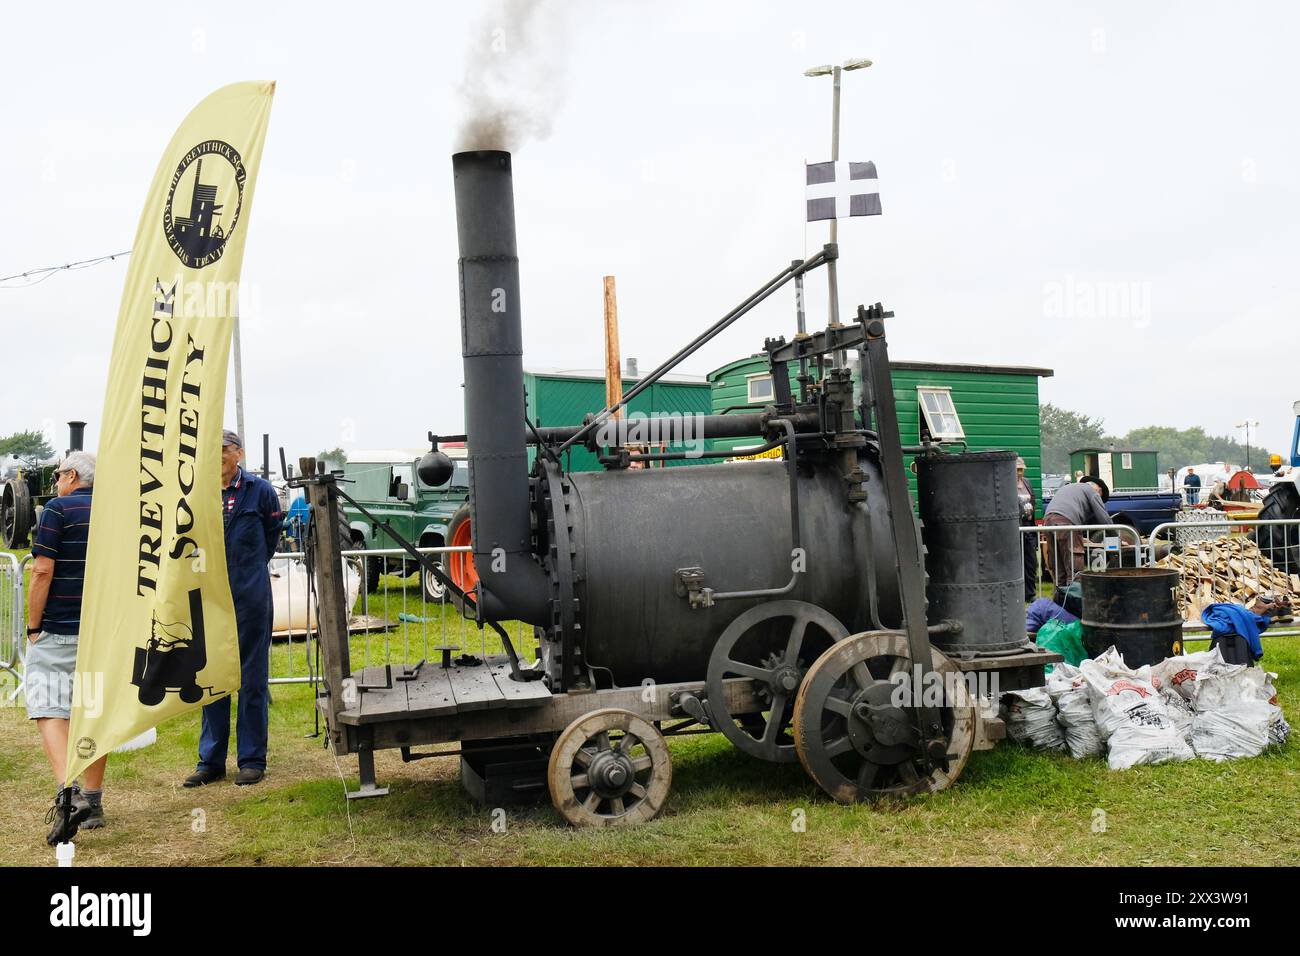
852	736
599	780
774	644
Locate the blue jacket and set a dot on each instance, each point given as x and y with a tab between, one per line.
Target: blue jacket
251	511
1228	619
1044	610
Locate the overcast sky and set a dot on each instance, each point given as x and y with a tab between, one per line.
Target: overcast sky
1109	190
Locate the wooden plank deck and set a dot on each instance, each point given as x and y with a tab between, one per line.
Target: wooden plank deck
440	692
474	687
526	693
376	703
429	695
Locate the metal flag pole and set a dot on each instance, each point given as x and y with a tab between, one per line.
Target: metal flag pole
239	380
832	273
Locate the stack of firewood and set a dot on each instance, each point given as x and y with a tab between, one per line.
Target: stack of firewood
1227	570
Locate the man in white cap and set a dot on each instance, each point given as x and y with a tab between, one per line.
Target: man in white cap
251	511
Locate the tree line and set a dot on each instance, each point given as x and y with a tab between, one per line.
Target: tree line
30	447
1063	431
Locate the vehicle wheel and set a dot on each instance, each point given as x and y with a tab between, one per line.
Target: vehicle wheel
773	644
191	694
460	564
15	513
151	696
853	739
596	781
1279	542
434	590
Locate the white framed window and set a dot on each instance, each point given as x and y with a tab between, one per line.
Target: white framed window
759	389
940	414
1126	461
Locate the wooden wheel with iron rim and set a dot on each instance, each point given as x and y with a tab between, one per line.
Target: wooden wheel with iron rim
852	736
599	780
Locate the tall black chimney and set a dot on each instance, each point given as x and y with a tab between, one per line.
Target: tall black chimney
76	435
513	584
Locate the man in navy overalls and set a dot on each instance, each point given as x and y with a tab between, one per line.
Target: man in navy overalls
253	519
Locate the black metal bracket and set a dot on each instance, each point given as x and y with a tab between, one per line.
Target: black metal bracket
684	702
828	340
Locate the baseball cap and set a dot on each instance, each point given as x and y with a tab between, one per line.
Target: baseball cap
229	437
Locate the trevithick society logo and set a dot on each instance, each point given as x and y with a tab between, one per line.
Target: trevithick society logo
198	233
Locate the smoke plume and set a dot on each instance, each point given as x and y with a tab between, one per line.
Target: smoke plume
514	77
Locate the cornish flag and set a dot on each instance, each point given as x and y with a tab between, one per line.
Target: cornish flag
837	190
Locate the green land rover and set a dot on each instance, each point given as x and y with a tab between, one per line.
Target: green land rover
388	484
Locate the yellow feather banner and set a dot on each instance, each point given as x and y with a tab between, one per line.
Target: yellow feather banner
158	631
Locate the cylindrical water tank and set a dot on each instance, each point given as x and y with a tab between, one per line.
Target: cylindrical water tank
632	529
970	527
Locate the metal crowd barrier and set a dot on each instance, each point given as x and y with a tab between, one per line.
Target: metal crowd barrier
394	624
1057	553
13	616
1281	547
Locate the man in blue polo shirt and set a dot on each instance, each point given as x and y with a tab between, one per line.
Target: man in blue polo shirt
53	626
253	518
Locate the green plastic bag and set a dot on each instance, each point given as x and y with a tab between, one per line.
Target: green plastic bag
1064	639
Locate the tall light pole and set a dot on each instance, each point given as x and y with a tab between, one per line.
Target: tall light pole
1248	425
832	278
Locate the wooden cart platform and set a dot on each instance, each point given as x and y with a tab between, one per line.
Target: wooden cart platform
400	692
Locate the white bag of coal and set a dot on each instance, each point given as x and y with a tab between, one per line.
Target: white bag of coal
1236	712
1069	691
1178	674
1238	730
1180	710
1030	717
1130	715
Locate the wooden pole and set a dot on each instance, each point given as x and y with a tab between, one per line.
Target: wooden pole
613	361
331	607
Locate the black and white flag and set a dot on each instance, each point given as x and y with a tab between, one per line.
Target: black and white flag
837	190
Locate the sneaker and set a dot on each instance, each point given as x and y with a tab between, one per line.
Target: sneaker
202	777
249	776
63	830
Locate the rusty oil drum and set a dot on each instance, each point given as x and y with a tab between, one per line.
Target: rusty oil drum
1133	609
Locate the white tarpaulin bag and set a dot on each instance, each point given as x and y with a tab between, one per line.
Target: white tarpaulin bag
1130	715
1178	674
1030	717
1236	712
1179	708
1069	691
1238	730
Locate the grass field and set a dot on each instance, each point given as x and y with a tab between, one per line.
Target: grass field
1011	806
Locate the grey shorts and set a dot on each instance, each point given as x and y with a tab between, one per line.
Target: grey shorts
48	673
